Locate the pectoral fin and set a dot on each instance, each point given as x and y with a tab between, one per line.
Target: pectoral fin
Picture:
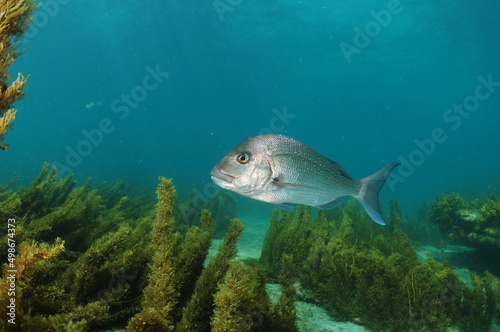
280	182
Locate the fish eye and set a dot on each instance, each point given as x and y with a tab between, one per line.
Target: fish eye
243	158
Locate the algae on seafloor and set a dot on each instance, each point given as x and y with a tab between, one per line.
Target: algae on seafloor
93	259
475	224
371	274
222	205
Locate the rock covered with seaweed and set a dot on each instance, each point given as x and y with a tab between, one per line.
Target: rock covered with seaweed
475	224
90	259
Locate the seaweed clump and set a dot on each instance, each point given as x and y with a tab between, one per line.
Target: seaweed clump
85	260
476	224
371	275
420	228
221	204
445	212
85	265
15	16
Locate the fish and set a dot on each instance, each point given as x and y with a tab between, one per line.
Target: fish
286	172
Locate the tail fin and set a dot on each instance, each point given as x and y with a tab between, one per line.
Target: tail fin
370	187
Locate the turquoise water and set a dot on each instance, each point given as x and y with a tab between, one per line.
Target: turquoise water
134	90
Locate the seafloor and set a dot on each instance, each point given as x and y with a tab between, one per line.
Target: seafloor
311	317
90	259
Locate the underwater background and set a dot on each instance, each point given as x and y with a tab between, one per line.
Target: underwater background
129	90
230	67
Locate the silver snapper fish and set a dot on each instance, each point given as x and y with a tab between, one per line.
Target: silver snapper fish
283	171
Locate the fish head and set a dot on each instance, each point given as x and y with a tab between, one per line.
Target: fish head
246	169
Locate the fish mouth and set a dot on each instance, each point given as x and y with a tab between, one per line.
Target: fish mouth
218	176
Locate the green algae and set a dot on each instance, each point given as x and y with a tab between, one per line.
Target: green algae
372	275
284	312
101	258
196	314
93	259
445	211
222	205
15	19
474	223
241	304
